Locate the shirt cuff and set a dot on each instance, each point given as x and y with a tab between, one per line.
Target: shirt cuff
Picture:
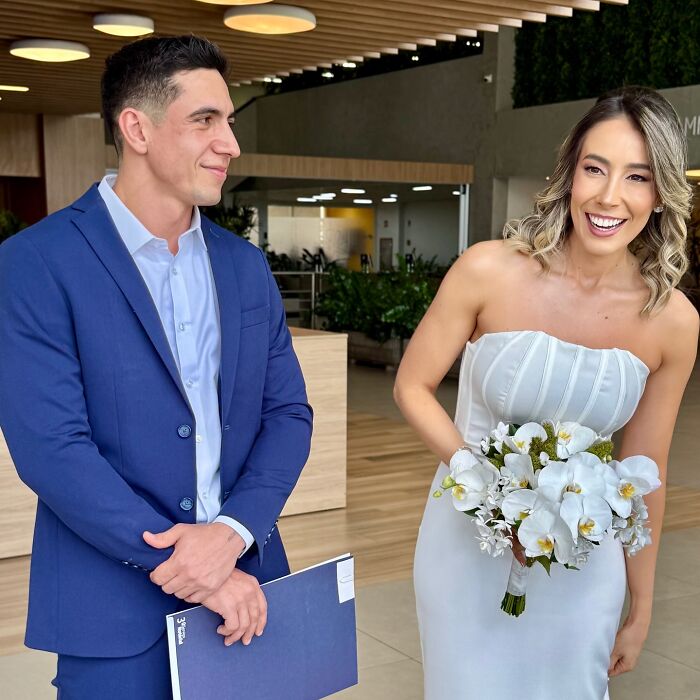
242	530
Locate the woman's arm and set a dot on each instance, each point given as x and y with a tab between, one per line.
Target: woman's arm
436	343
649	433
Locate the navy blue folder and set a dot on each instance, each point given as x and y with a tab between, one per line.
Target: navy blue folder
307	651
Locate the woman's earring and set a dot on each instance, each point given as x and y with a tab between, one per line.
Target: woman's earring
658	209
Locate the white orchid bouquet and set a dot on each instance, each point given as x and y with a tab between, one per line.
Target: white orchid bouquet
556	488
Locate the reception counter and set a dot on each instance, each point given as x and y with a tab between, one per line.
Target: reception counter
323	359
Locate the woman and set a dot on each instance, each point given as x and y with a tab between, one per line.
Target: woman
573	317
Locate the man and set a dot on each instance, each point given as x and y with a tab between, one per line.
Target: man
149	392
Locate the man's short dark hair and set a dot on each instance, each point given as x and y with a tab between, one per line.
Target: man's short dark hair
141	74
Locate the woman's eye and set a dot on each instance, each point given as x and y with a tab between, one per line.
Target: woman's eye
593	169
638	178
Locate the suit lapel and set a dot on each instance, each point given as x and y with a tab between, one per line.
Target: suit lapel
229	301
97	227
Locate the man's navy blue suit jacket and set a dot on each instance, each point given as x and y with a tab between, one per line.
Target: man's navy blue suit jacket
99	426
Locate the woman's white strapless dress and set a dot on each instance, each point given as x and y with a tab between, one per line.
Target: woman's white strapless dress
559	648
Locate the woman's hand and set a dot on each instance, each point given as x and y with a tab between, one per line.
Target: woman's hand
628	646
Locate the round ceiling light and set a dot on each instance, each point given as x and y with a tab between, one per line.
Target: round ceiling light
14	88
123	25
270	19
49	50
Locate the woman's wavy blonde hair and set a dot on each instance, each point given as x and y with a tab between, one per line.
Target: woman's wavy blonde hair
661	245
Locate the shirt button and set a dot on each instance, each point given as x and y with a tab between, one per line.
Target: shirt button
198	438
186	503
181	326
175	271
190	383
184	430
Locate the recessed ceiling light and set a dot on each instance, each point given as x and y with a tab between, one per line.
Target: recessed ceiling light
123	25
49	50
306	199
388	199
349	64
422	188
14	88
327	74
362	201
456	192
277	80
351	190
270	19
415	57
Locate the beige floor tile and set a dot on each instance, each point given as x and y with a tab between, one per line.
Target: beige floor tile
679	555
399	681
387	612
674	631
667	587
371	652
656	678
370	391
27	676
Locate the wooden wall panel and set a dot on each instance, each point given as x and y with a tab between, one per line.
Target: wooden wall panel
74	157
317	168
323	360
17	508
20	145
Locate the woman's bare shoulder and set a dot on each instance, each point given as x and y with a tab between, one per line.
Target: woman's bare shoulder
678	325
485	259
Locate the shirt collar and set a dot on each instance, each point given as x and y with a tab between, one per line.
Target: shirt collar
134	234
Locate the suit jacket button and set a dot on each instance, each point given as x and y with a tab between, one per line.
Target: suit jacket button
186	503
184	431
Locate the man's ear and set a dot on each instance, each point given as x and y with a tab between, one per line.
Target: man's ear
134	126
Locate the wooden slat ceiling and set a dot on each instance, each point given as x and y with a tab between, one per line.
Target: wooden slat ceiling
346	28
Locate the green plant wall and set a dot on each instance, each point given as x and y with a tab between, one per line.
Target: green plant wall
648	42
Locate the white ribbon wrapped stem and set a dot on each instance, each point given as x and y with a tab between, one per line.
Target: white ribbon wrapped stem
517	581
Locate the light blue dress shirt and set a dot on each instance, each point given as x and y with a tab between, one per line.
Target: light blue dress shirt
183	291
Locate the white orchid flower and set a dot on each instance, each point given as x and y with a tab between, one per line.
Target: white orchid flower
544	459
587	516
573	438
499	434
544	532
462	460
472	486
518	505
582	473
632	477
521	441
519	470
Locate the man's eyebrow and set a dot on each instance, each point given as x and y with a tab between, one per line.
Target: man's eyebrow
209	111
605	161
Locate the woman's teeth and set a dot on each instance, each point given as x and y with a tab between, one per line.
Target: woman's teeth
604	223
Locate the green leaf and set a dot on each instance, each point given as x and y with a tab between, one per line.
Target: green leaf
546	563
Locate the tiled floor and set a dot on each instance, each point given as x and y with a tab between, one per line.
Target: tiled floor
389	649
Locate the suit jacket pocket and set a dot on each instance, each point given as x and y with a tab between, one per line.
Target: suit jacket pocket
252	317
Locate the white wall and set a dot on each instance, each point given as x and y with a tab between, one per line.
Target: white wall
432	228
291	229
521	195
